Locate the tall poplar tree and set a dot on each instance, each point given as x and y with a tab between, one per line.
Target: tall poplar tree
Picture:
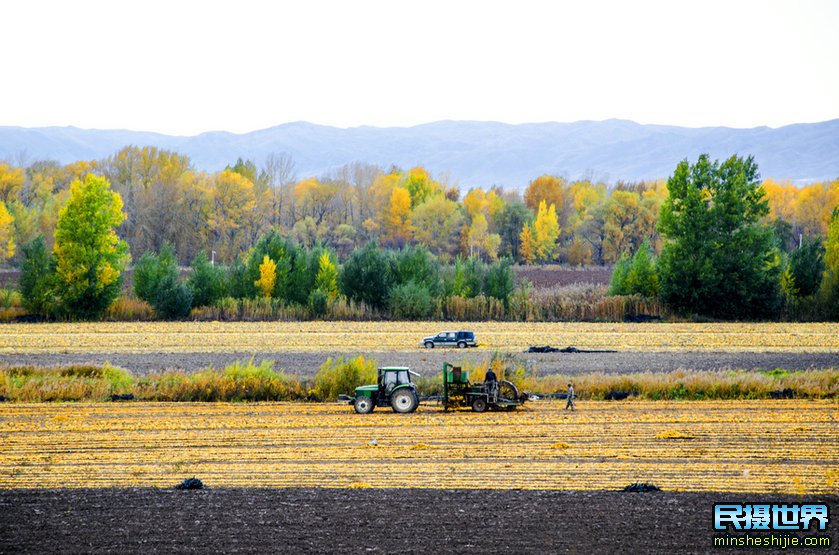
89	256
718	260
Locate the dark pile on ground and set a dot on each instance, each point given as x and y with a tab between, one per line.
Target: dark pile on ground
363	521
429	362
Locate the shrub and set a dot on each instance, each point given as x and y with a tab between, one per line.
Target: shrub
127	309
71	383
410	301
343	376
240	381
318	303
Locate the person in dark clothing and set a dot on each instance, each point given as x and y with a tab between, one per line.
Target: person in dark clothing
491	383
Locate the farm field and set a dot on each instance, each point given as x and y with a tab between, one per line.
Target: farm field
782	447
212	337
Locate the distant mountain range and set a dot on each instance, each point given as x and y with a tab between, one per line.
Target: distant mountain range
470	153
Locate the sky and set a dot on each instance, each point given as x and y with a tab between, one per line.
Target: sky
186	67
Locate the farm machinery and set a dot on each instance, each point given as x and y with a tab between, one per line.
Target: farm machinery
458	391
396	389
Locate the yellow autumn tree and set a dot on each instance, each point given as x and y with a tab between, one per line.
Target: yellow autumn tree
11	181
267	277
231	199
7	242
528	245
547	188
327	277
546	231
398	221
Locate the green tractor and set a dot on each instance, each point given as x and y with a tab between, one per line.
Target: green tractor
394	389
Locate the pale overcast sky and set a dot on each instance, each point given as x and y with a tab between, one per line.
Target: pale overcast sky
184	67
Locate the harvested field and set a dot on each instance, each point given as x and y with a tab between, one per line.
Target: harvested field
265	337
788	447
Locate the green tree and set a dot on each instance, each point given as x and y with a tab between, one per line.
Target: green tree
89	255
806	267
365	276
37	276
157	280
206	281
830	283
150	270
499	281
174	298
718	259
642	278
417	264
617	286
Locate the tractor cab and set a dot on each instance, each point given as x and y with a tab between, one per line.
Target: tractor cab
394	388
391	378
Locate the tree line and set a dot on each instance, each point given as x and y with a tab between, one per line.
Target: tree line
554	220
712	239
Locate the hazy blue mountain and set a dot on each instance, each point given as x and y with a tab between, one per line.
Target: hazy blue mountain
470	153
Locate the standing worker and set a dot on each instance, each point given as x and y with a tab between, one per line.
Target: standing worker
491	382
570	402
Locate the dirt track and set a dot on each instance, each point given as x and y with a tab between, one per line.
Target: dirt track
429	362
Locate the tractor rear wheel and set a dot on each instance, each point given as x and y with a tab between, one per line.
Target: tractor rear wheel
363	405
404	401
479	404
508	391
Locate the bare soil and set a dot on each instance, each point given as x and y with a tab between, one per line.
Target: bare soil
365	521
430	362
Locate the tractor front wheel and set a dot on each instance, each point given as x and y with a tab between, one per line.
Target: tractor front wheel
363	405
404	401
479	404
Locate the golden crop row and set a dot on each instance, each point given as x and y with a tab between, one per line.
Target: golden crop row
138	337
739	446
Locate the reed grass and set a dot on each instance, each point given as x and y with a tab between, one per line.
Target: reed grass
244	381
